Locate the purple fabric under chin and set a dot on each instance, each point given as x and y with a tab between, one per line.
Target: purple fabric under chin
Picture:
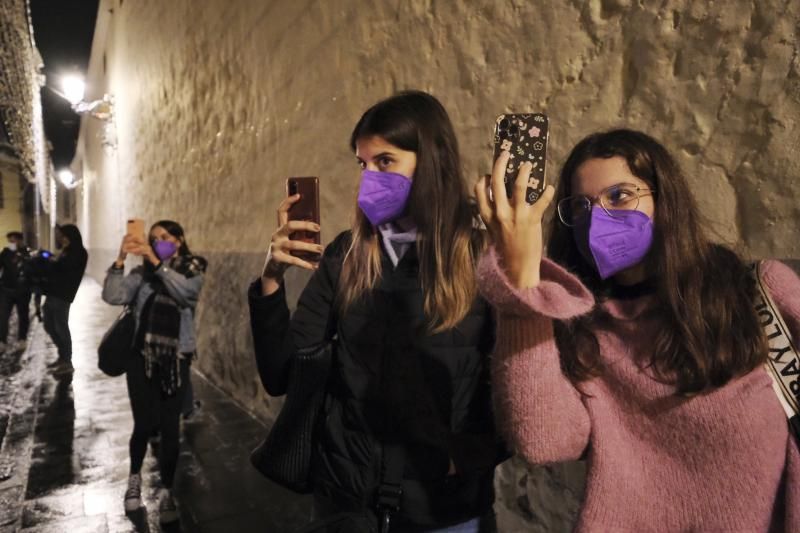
397	240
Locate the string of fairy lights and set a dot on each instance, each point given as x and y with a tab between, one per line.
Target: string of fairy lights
21	79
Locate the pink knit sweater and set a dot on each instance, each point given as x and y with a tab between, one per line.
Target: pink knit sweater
722	461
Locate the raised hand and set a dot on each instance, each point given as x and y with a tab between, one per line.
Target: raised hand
514	225
279	256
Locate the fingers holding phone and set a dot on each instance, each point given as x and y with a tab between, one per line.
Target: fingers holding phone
285	249
297	240
524	137
513	199
305	209
132	240
514	226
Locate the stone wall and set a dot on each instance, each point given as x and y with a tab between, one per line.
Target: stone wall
217	102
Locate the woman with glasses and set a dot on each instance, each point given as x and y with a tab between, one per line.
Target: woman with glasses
635	344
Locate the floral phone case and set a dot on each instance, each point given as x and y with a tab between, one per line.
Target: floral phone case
525	137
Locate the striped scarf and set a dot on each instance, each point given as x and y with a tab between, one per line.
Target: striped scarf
162	326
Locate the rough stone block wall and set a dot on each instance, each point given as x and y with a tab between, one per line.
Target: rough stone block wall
217	102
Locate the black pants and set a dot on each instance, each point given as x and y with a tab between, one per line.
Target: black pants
56	324
154	411
21	300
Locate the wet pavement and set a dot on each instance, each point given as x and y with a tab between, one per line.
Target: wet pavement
64	452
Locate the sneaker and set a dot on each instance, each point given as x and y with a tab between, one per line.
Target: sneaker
167	508
133	496
63	368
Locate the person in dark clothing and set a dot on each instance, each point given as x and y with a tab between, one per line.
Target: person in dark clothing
163	292
15	291
64	276
412	335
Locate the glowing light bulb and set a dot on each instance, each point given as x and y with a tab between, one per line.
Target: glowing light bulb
66	177
73	87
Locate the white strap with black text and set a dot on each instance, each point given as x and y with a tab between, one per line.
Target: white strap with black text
783	364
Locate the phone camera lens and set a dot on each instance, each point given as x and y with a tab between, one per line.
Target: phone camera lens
504	124
513	131
292	189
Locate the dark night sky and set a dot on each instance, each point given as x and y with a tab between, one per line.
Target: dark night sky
63	31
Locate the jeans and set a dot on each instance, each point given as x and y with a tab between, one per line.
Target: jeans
56	324
21	300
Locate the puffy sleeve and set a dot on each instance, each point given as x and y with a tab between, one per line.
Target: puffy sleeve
539	412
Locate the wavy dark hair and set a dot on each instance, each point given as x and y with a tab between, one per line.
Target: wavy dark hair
439	204
711	333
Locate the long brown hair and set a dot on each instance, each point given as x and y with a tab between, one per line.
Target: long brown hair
439	204
711	334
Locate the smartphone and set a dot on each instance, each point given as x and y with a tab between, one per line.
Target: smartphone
135	227
524	135
307	208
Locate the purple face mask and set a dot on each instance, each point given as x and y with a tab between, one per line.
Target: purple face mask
383	196
164	249
616	243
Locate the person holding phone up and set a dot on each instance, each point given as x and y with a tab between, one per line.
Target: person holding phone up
398	293
64	274
164	291
635	343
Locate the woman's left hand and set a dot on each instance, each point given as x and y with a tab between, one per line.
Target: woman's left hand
139	247
514	225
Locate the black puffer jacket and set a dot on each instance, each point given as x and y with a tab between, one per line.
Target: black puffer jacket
392	383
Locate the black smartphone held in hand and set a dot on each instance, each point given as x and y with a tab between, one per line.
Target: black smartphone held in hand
307	209
524	135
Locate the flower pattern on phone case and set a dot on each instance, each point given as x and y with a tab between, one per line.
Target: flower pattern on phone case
525	137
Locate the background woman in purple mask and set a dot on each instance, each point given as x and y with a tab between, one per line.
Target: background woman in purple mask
635	344
164	291
412	334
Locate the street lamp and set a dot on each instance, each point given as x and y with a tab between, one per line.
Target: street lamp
73	88
67	178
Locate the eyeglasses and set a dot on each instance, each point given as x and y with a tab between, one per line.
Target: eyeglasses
573	210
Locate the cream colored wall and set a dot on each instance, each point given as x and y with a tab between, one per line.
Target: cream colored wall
218	101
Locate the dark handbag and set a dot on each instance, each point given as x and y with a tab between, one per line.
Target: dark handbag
116	347
285	455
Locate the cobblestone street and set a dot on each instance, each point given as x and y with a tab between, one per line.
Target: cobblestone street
64	454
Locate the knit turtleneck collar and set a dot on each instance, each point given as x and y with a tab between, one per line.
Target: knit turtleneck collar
629	302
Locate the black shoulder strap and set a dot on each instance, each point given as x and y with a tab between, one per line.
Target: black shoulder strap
390	491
